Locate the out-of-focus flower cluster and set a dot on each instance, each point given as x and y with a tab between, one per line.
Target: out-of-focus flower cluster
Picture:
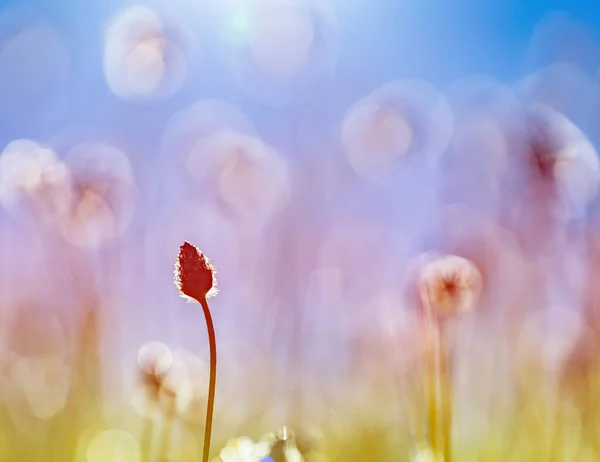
87	198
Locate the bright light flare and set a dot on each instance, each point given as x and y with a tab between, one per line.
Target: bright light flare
278	35
278	52
281	38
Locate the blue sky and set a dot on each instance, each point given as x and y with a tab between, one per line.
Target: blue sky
380	40
443	40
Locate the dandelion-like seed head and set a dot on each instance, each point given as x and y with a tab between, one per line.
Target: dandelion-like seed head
194	273
448	286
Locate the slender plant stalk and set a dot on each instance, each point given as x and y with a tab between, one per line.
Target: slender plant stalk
166	437
432	385
446	397
194	277
439	393
447	287
147	434
210	405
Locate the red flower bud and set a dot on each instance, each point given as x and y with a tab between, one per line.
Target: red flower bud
194	274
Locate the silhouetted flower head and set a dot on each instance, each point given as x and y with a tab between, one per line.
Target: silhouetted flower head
194	274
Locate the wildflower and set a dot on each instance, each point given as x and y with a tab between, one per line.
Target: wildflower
194	277
448	286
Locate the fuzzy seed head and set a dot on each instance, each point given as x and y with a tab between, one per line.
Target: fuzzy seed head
448	286
194	273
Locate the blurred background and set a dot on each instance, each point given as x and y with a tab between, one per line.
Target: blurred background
314	150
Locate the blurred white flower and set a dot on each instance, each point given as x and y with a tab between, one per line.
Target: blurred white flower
31	173
250	177
399	120
102	195
173	381
155	358
140	59
89	198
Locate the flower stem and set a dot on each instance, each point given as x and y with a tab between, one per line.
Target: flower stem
446	398
439	391
210	405
432	382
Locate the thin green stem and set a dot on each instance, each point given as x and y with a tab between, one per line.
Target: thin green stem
210	405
